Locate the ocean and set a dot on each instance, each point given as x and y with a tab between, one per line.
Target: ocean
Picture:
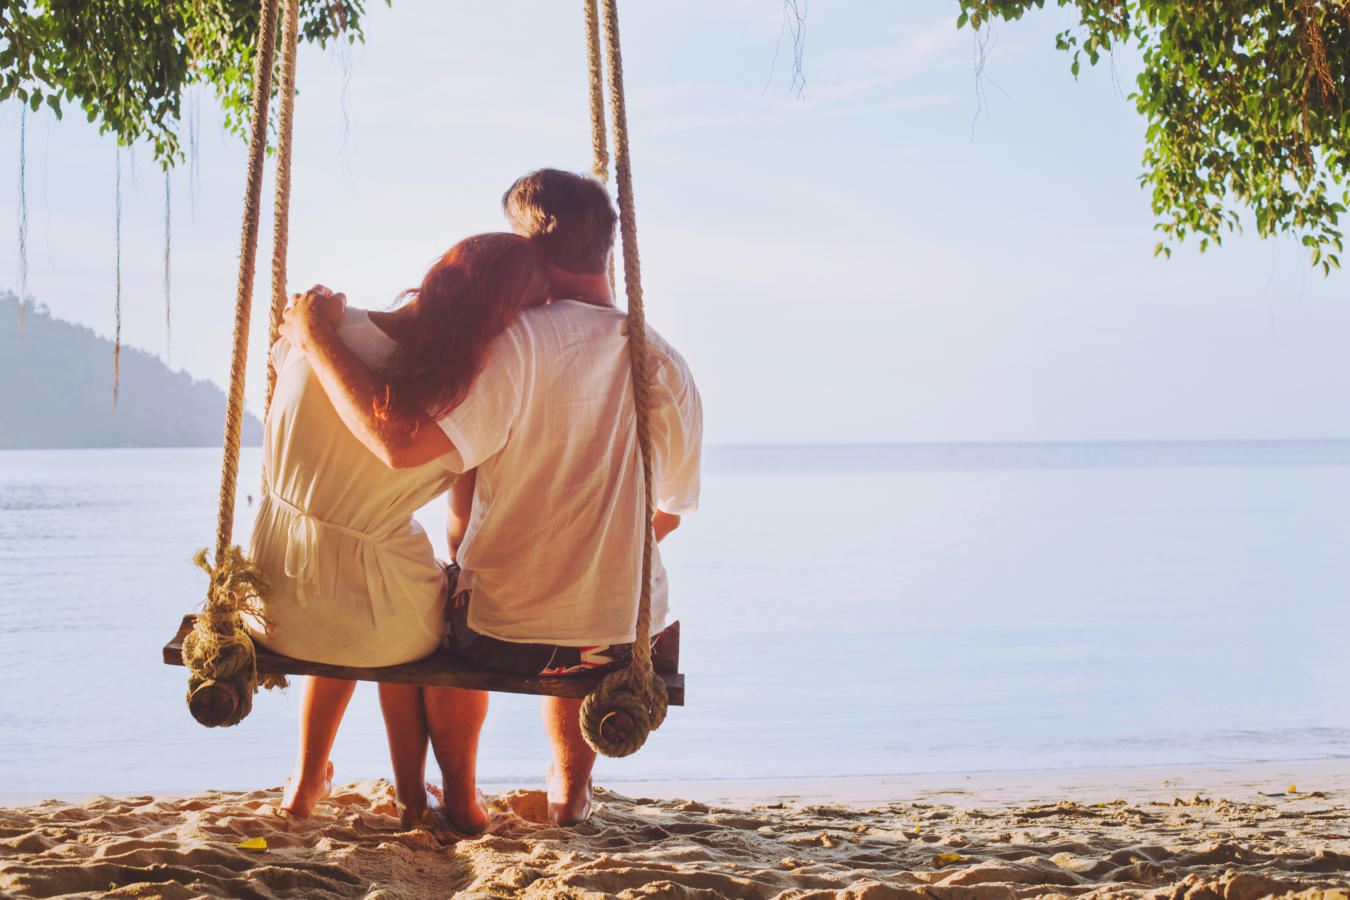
847	611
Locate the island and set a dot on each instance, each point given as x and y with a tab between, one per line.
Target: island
58	391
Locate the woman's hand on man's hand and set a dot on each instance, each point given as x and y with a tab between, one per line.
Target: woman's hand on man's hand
316	308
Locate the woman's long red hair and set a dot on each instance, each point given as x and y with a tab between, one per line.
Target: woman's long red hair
467	299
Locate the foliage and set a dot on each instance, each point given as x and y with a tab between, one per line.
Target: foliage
1246	102
127	63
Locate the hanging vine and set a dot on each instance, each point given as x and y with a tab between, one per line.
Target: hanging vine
1248	115
117	293
194	129
127	64
23	215
168	234
1246	101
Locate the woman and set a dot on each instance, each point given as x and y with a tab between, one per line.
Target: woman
352	577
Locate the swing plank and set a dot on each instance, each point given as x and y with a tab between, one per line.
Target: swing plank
442	670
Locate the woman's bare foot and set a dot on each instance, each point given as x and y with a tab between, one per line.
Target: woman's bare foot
567	807
420	811
468	817
298	798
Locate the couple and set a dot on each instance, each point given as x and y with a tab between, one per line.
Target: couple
504	379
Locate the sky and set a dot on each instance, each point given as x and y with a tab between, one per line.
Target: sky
913	247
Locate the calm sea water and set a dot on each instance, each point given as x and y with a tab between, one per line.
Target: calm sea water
847	611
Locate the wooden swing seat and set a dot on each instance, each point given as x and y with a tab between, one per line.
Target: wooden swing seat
443	670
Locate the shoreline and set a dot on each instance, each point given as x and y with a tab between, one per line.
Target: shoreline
1233	781
1161	833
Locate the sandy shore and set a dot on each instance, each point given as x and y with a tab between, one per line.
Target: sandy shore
1203	834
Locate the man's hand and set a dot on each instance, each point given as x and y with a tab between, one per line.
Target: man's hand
317	308
352	388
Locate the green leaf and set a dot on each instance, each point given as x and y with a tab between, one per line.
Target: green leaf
127	63
1235	124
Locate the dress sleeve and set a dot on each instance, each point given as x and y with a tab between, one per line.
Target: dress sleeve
677	431
480	424
278	353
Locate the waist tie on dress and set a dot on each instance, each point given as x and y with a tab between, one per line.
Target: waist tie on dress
302	542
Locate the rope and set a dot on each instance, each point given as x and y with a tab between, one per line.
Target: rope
248	250
595	64
282	207
219	652
624	708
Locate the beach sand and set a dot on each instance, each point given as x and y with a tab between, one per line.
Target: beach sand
1239	833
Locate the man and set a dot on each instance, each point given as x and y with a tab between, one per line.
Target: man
551	558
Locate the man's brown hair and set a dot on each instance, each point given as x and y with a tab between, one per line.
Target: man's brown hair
567	216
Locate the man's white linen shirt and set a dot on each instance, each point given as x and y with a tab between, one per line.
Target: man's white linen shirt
553	550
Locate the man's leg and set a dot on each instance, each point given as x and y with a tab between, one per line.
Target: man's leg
322	704
569	778
405	724
454	719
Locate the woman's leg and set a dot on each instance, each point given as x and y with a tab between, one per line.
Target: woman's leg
322	703
454	719
405	724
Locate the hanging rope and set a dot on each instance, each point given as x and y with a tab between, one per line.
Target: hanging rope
281	209
219	652
629	704
595	63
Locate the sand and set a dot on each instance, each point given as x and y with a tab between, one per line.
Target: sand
1227	834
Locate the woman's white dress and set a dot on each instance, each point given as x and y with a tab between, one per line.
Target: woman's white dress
353	579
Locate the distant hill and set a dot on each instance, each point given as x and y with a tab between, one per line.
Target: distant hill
57	381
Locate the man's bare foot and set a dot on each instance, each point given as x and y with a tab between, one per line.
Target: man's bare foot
298	798
469	817
567	807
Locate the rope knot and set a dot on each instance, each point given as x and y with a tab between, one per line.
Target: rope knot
623	709
218	652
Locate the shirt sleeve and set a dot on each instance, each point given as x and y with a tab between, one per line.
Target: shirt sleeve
480	424
677	431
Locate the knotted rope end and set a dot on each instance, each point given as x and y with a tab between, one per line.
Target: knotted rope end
622	711
219	652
